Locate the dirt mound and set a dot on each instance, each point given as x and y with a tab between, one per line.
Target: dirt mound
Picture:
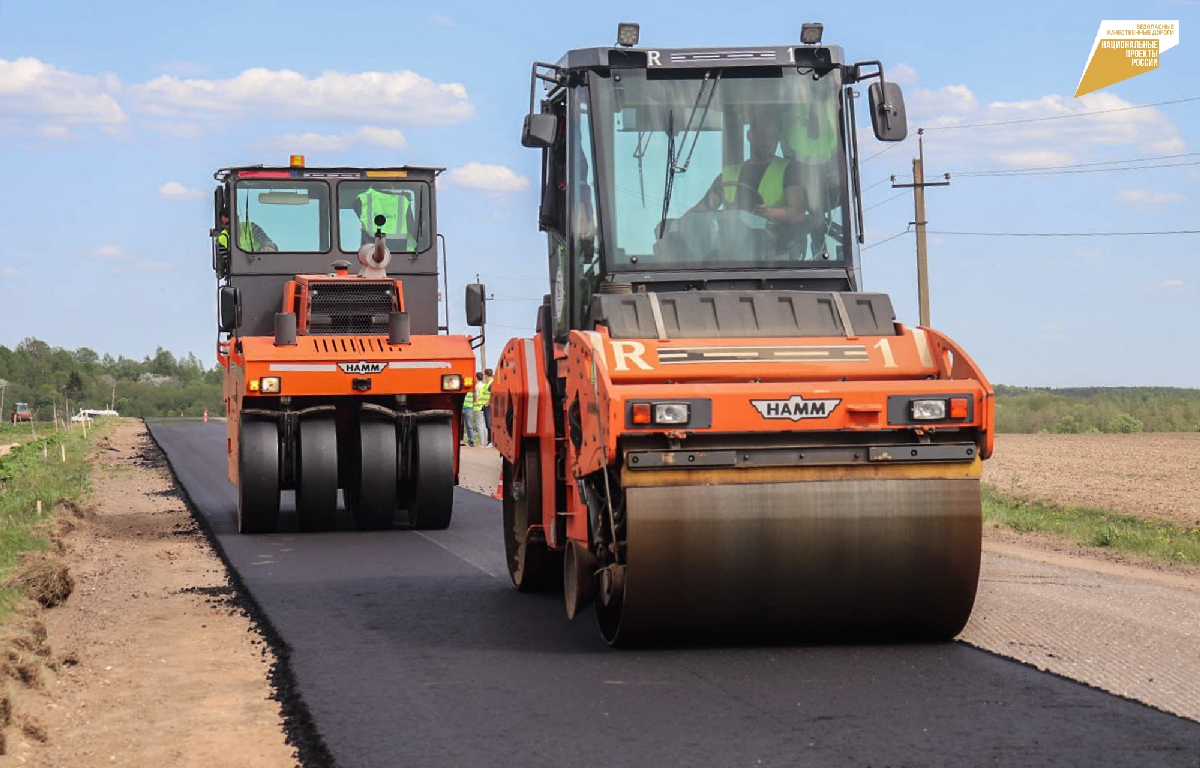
43	577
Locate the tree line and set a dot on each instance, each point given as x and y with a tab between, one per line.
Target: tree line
165	385
1097	409
51	379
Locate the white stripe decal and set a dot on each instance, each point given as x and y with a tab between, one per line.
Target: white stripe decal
531	378
420	364
304	367
923	347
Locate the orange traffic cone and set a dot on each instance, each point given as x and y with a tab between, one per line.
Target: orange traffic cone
499	494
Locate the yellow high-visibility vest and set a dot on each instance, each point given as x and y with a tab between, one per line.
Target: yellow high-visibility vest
770	188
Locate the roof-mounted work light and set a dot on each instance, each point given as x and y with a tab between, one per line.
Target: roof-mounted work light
628	34
810	32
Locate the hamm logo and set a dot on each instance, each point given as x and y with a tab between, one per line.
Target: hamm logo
362	367
795	408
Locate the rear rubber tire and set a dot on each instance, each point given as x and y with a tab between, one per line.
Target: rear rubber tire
532	566
432	476
371	486
317	473
258	475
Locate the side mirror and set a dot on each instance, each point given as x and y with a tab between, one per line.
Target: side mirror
229	308
888	118
476	304
539	131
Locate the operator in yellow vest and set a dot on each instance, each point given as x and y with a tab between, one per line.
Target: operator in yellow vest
395	208
767	184
251	237
811	141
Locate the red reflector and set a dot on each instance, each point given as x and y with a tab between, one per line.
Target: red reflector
958	407
265	174
641	413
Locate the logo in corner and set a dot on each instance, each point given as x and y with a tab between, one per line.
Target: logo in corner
796	408
362	366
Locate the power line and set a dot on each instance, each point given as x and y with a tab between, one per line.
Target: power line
1068	170
876	184
1152	158
1068	234
885	240
888	148
885	201
1061	117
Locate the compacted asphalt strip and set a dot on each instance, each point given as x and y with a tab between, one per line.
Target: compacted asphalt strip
412	649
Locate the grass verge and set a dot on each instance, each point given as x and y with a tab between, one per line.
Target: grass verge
31	473
1147	537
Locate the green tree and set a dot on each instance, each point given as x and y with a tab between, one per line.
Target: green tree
1124	423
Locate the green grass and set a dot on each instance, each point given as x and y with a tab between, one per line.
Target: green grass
27	477
1147	537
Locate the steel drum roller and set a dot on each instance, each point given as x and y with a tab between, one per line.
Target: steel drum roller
792	560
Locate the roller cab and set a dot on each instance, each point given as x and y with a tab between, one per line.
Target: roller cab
714	432
336	378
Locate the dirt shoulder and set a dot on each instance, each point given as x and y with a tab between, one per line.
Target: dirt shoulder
153	661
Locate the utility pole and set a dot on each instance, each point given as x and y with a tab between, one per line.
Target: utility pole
3	386
918	188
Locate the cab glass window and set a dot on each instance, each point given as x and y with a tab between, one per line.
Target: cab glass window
403	206
281	216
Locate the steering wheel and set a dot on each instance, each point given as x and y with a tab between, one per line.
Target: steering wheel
755	197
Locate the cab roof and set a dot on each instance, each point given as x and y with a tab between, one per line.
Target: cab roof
337	172
814	56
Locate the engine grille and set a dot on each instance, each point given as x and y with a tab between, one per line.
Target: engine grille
347	308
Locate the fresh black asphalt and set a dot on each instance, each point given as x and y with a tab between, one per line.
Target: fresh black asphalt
412	649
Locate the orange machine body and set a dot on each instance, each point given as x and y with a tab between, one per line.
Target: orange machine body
781	394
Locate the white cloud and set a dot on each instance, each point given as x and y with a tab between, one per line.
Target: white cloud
316	143
33	90
1148	199
903	74
401	97
1049	130
1172	284
488	178
389	138
8	272
176	191
442	21
109	253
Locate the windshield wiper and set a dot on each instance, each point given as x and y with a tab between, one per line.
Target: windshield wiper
673	164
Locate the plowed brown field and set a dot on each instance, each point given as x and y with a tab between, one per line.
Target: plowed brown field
1149	475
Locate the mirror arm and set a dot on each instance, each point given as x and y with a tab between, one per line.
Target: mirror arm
884	107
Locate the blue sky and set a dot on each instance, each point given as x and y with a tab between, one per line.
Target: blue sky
113	116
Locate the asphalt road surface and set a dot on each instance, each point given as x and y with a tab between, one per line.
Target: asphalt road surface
412	649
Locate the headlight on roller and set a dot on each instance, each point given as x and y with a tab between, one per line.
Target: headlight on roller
928	410
451	382
269	385
672	413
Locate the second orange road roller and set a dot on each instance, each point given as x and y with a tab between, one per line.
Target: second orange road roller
715	431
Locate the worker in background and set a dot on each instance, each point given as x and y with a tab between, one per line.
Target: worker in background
251	237
468	419
485	397
481	391
775	179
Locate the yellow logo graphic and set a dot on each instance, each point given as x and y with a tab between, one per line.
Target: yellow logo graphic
1125	49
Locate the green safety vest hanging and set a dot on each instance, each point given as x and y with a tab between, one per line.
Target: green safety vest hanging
770	188
394	208
812	131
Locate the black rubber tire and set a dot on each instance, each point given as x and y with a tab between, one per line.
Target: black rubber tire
317	473
432	476
258	475
371	486
532	566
